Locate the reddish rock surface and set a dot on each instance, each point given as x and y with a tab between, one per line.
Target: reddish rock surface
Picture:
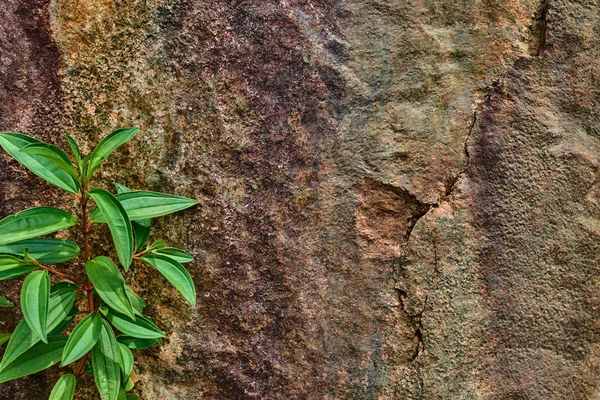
398	200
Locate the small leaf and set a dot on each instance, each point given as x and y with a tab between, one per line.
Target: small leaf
37	358
82	339
142	327
5	303
85	161
107	146
176	254
159	244
4	337
77	154
125	360
33	222
74	149
136	343
143	204
121	188
64	388
34	302
13	143
105	362
118	223
44	251
23	338
109	284
175	273
132	396
54	154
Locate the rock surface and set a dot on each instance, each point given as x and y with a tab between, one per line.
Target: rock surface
398	199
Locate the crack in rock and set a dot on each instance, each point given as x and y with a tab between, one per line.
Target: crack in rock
544	28
415	320
403	298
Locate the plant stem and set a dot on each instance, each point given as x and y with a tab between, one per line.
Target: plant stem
55	272
80	366
85	229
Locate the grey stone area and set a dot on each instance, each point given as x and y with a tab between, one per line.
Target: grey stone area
398	199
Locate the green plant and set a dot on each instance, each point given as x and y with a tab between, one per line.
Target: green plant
49	309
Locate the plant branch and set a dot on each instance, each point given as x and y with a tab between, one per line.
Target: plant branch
85	230
55	272
79	369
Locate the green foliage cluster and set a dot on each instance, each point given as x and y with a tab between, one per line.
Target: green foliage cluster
113	323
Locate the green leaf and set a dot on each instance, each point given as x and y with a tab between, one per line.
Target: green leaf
64	388
118	223
63	286
121	188
82	339
15	272
85	161
44	251
9	262
107	146
37	358
159	244
141	328
109	284
127	386
132	396
125	360
142	204
12	267
88	368
13	143
141	228
5	303
141	232
23	338
136	343
105	362
136	301
33	222
34	302
65	322
77	154
55	155
176	254
74	149
175	273
4	337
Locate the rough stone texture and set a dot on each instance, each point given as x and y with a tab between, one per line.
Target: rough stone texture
398	199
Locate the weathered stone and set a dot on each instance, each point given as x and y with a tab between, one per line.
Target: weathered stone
398	199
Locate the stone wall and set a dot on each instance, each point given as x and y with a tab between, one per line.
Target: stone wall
398	199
